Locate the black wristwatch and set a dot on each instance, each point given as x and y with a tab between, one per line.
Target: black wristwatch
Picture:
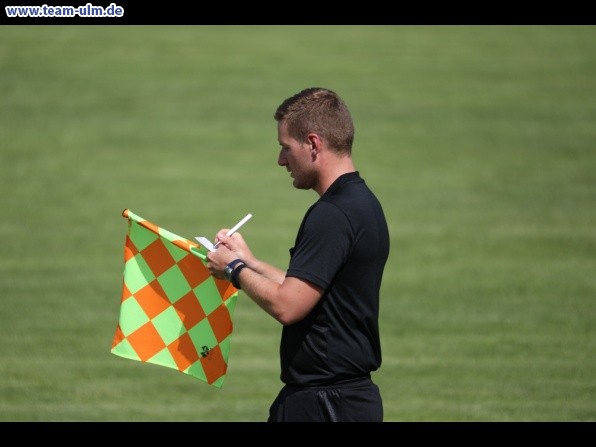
235	274
228	269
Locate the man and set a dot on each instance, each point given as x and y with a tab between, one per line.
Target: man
328	299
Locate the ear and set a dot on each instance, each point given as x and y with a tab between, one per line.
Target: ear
314	141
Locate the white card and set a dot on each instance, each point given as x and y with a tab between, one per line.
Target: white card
205	243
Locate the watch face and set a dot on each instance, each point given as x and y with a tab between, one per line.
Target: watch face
228	272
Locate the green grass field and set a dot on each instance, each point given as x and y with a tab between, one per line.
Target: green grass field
479	140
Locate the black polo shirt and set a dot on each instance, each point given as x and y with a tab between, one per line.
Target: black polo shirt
342	246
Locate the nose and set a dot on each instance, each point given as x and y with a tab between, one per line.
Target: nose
282	159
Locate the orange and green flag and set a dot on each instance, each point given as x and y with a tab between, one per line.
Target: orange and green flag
173	312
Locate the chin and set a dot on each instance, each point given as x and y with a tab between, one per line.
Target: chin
299	185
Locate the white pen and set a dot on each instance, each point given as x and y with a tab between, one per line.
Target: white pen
236	227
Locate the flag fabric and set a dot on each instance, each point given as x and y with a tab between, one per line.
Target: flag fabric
173	312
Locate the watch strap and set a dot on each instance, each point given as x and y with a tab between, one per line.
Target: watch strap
230	268
235	262
235	273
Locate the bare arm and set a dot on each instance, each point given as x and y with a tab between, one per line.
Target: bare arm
286	299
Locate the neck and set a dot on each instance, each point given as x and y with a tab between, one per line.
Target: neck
331	171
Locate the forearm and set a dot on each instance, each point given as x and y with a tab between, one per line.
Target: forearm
286	299
262	289
288	302
267	270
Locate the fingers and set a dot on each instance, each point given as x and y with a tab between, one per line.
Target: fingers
228	248
217	260
233	242
221	234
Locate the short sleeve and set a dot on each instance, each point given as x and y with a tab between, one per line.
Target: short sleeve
322	245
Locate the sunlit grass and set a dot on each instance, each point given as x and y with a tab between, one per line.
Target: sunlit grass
479	141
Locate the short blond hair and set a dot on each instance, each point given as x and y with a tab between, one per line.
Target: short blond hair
321	111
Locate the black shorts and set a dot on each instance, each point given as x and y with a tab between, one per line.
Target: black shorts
352	401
